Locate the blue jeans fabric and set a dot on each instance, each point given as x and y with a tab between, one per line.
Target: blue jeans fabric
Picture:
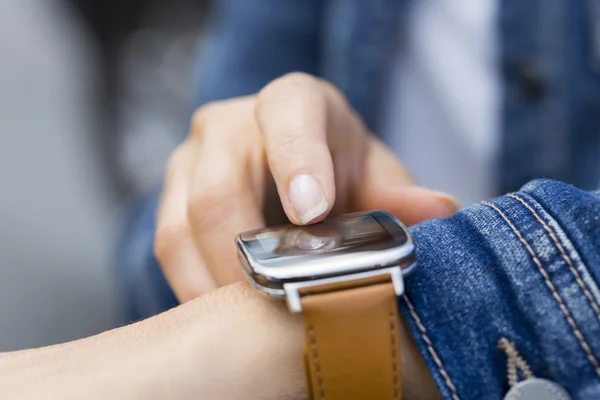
524	267
548	67
143	287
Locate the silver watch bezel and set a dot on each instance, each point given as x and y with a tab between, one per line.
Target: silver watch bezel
396	261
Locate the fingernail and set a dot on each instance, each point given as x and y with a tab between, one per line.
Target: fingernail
451	202
307	198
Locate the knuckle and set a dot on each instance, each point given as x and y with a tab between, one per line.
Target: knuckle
289	144
207	205
224	117
287	83
294	79
169	236
205	199
202	114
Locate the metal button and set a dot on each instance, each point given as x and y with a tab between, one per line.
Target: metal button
537	389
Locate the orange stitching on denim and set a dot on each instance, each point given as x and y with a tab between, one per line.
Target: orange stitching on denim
313	345
394	361
565	257
430	348
559	300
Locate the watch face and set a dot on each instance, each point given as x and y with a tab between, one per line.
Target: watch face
336	246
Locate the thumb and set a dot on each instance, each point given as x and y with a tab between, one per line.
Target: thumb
412	204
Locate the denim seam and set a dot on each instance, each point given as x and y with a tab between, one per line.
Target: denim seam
432	352
564	254
514	362
582	342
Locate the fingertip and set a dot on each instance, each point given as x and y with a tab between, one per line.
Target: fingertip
316	213
307	199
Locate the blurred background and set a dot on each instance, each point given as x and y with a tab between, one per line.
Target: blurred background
94	94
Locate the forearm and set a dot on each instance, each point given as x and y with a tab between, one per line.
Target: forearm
204	348
225	345
124	363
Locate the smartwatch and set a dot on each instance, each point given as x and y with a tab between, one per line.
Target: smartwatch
343	275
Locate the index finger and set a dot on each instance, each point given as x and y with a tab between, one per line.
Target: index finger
297	116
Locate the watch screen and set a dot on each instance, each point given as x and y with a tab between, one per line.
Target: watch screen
330	236
341	245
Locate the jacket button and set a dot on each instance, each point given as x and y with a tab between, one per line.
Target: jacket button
537	389
531	82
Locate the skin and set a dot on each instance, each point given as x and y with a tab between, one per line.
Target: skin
224	345
239	159
238	162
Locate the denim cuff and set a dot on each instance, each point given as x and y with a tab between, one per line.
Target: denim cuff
523	267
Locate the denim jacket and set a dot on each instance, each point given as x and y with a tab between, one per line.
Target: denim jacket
524	267
549	65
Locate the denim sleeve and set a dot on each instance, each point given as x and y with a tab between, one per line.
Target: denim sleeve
249	43
524	267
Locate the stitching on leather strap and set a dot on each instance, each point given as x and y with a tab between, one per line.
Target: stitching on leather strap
584	345
432	352
393	335
564	254
315	357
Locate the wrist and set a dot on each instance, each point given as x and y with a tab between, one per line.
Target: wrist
261	335
248	343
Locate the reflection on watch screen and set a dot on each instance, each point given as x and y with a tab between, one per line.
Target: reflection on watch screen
322	237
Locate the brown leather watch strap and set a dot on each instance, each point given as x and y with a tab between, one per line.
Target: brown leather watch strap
352	349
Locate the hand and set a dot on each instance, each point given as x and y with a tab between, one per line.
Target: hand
230	344
297	135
